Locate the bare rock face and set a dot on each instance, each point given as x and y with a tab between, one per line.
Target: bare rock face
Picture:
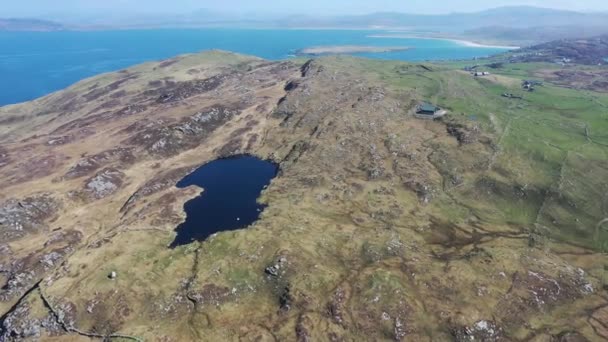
483	330
26	322
163	139
464	133
20	217
18	325
61	140
25	272
104	183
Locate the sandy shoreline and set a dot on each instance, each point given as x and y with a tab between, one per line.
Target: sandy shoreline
457	41
347	49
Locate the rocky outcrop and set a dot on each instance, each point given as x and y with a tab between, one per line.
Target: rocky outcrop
161	182
278	268
211	294
465	133
20	324
164	139
89	164
184	90
536	292
97	92
23	273
104	183
19	217
335	308
483	330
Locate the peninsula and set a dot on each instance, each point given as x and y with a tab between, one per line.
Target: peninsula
348	49
487	224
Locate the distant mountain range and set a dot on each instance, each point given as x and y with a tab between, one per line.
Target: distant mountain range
522	24
514	17
521	17
29	25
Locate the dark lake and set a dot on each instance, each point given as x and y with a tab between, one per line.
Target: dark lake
229	200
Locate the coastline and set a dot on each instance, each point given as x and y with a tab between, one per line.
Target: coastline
462	42
348	49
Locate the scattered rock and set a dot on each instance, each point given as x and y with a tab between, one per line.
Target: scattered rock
183	90
161	138
104	183
87	165
23	273
99	92
335	308
535	291
20	217
286	299
132	109
569	336
211	294
302	329
465	134
32	167
21	324
62	140
486	331
277	268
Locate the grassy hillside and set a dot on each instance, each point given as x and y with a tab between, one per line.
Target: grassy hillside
546	163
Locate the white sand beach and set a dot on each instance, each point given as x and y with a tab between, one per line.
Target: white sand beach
458	41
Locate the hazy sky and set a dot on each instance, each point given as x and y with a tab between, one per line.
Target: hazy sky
316	7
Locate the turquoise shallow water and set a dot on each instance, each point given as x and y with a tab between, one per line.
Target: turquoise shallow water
33	64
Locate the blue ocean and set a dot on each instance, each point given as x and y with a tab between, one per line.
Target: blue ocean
33	64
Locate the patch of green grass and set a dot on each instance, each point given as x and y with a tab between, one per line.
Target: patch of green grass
535	141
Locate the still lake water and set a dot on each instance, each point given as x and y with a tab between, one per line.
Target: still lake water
229	201
33	64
